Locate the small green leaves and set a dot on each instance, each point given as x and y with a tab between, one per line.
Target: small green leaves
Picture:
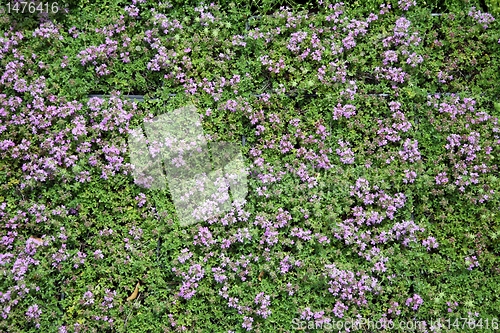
497	106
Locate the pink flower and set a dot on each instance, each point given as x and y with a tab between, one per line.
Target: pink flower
441	178
416	300
141	199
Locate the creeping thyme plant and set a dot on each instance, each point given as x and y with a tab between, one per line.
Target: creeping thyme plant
371	138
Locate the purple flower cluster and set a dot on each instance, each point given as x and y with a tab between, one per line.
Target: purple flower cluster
206	17
318	316
348	288
113	29
301	234
264	301
190	280
168	25
204	237
141	199
413	58
430	243
410	151
274	66
356	27
48	30
394	74
346	154
60	256
410	176
390	57
407	230
136	232
415	300
349	42
185	255
219	277
406	4
79	259
482	18
455	107
452	306
33	313
247	323
443	77
98	254
164	59
441	178
472	262
347	111
108	300
285	265
21	265
394	308
101	53
132	11
88	298
296	39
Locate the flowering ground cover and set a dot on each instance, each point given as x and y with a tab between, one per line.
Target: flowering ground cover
370	137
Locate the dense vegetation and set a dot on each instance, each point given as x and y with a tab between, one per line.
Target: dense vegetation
370	135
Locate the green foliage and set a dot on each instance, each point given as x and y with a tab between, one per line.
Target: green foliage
493	7
105	234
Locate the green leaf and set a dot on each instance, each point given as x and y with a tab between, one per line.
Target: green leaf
497	106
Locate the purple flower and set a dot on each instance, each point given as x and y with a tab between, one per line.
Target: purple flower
300	233
441	178
410	176
132	11
47	30
481	18
406	230
346	154
410	151
385	8
472	262
413	59
349	41
83	177
102	70
79	259
34	313
219	278
188	289
247	323
390	57
88	298
402	25
185	255
394	308
136	232
406	4
430	243
416	301
98	254
339	309
141	199
285	265
264	301
347	111
204	237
